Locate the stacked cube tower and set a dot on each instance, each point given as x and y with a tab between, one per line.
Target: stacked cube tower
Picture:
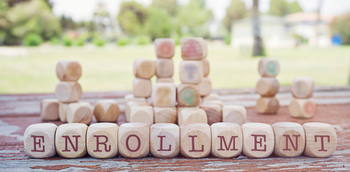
268	86
302	106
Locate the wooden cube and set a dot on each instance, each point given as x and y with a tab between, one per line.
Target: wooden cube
62	111
165	47
211	96
39	140
195	140
192	115
302	87
67	92
80	112
149	101
131	104
302	108
258	140
191	72
133	140
144	69
213	112
70	140
106	111
164	140
215	102
179	109
188	95
267	105
102	140
205	87
235	114
226	140
164	95
267	87
165	80
321	139
142	114
165	115
164	68
192	48
289	139
142	87
268	67
49	109
206	67
68	70
131	97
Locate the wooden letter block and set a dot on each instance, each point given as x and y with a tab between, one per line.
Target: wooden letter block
165	47
258	140
164	140
70	140
67	92
267	86
106	111
164	68
192	48
165	80
144	69
68	70
213	112
215	102
269	67
302	88
302	108
133	140
192	115
165	115
191	72
39	140
164	95
235	114
80	112
321	139
142	114
142	87
62	111
267	105
131	97
206	67
188	95
102	140
195	140
211	96
49	109
149	101
131	104
226	140
289	139
205	87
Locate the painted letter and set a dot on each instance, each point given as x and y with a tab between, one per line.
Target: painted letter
138	143
322	144
161	145
70	141
193	150
233	140
100	143
37	142
260	142
295	147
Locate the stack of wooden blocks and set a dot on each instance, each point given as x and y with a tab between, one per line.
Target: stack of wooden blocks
302	106
268	86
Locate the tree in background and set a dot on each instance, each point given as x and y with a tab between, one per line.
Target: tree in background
235	11
158	23
131	17
170	6
258	44
283	8
341	25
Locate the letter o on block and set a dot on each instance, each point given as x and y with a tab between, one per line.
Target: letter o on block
258	140
227	140
195	140
133	140
164	140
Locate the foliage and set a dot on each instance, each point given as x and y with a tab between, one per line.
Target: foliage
170	6
67	41
98	41
177	39
228	39
32	39
131	17
54	40
123	41
341	25
235	11
80	42
158	23
300	38
143	40
283	8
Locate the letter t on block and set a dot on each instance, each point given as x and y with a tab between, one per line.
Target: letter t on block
195	140
258	140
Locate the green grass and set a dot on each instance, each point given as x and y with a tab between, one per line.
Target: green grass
110	68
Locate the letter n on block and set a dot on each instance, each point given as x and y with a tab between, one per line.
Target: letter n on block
133	140
258	140
195	140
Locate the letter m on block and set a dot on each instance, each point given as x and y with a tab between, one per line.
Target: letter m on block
223	142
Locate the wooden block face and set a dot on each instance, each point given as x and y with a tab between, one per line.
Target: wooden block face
67	92
131	97
206	67
102	140
321	139
165	47
131	104
106	111
211	96
62	111
164	140
144	69
80	112
192	115
165	80
302	87
164	68
133	140
216	102
39	140
49	109
267	86
268	67
68	70
142	114
149	101
302	108
226	140
142	87
70	140
213	112
258	140
205	87
191	72
192	48
289	139
267	105
235	114
165	115
164	95
188	95
195	140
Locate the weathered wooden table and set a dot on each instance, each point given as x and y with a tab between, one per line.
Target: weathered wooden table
19	111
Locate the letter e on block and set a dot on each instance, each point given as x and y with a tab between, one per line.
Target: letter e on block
258	140
164	140
102	140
